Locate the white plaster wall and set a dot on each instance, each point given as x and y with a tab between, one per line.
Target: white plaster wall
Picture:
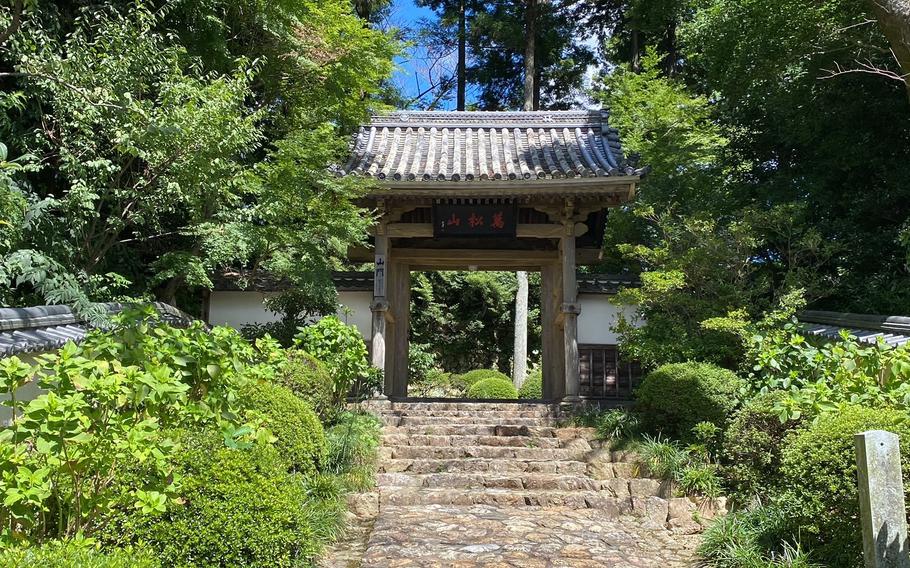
28	392
238	308
597	318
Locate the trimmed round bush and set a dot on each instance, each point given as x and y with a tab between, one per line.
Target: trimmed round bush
307	377
493	388
819	470
476	375
70	555
240	508
533	386
675	397
301	440
752	447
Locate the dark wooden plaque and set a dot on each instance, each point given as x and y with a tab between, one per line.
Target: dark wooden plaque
480	220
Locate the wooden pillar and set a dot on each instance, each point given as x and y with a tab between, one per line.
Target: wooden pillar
380	307
551	332
570	310
399	290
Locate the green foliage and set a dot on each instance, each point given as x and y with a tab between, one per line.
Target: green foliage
819	472
308	378
532	388
438	383
108	404
240	507
352	444
664	459
157	146
467	318
752	446
818	376
421	362
300	439
340	347
762	537
676	397
493	388
74	554
308	298
617	425
472	377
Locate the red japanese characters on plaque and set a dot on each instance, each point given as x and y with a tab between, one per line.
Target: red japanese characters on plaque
474	220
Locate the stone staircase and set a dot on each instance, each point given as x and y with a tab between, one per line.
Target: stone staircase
514	455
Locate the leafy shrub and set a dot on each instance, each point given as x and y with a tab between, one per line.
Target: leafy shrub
700	479
300	437
663	458
819	470
353	442
240	508
754	538
307	377
476	375
676	397
493	388
341	348
817	376
437	383
108	400
752	447
421	361
617	425
532	388
56	554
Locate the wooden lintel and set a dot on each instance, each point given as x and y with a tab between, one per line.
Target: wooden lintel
524	231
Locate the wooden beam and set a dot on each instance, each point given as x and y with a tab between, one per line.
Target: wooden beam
582	257
523	231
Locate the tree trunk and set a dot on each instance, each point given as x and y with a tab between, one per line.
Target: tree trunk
530	71
462	53
894	19
636	55
520	354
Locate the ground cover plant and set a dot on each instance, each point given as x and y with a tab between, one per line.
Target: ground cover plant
185	441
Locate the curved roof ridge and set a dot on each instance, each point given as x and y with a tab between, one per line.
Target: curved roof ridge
391	139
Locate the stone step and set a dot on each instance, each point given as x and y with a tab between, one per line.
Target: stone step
473	430
499	415
423	465
531	481
601	500
457	452
401	440
462	406
392	420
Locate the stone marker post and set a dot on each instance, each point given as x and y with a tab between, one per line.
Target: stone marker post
881	500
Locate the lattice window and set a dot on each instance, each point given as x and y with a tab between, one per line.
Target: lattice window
603	374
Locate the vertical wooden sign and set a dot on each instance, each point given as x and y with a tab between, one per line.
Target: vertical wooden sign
379	277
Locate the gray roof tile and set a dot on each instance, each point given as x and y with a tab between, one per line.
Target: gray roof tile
44	328
867	328
466	146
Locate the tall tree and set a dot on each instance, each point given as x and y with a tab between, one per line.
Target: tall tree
453	16
156	138
497	41
894	19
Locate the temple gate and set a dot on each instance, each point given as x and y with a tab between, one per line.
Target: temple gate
488	191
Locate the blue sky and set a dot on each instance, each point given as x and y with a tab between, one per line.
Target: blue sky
413	74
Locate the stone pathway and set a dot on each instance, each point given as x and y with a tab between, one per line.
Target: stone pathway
498	484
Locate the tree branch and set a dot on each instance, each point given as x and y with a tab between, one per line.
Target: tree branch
14	23
69	86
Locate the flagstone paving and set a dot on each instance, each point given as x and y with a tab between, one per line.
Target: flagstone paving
499	484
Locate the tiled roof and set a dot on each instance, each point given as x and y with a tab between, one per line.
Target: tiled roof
44	328
345	281
893	330
604	283
467	146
